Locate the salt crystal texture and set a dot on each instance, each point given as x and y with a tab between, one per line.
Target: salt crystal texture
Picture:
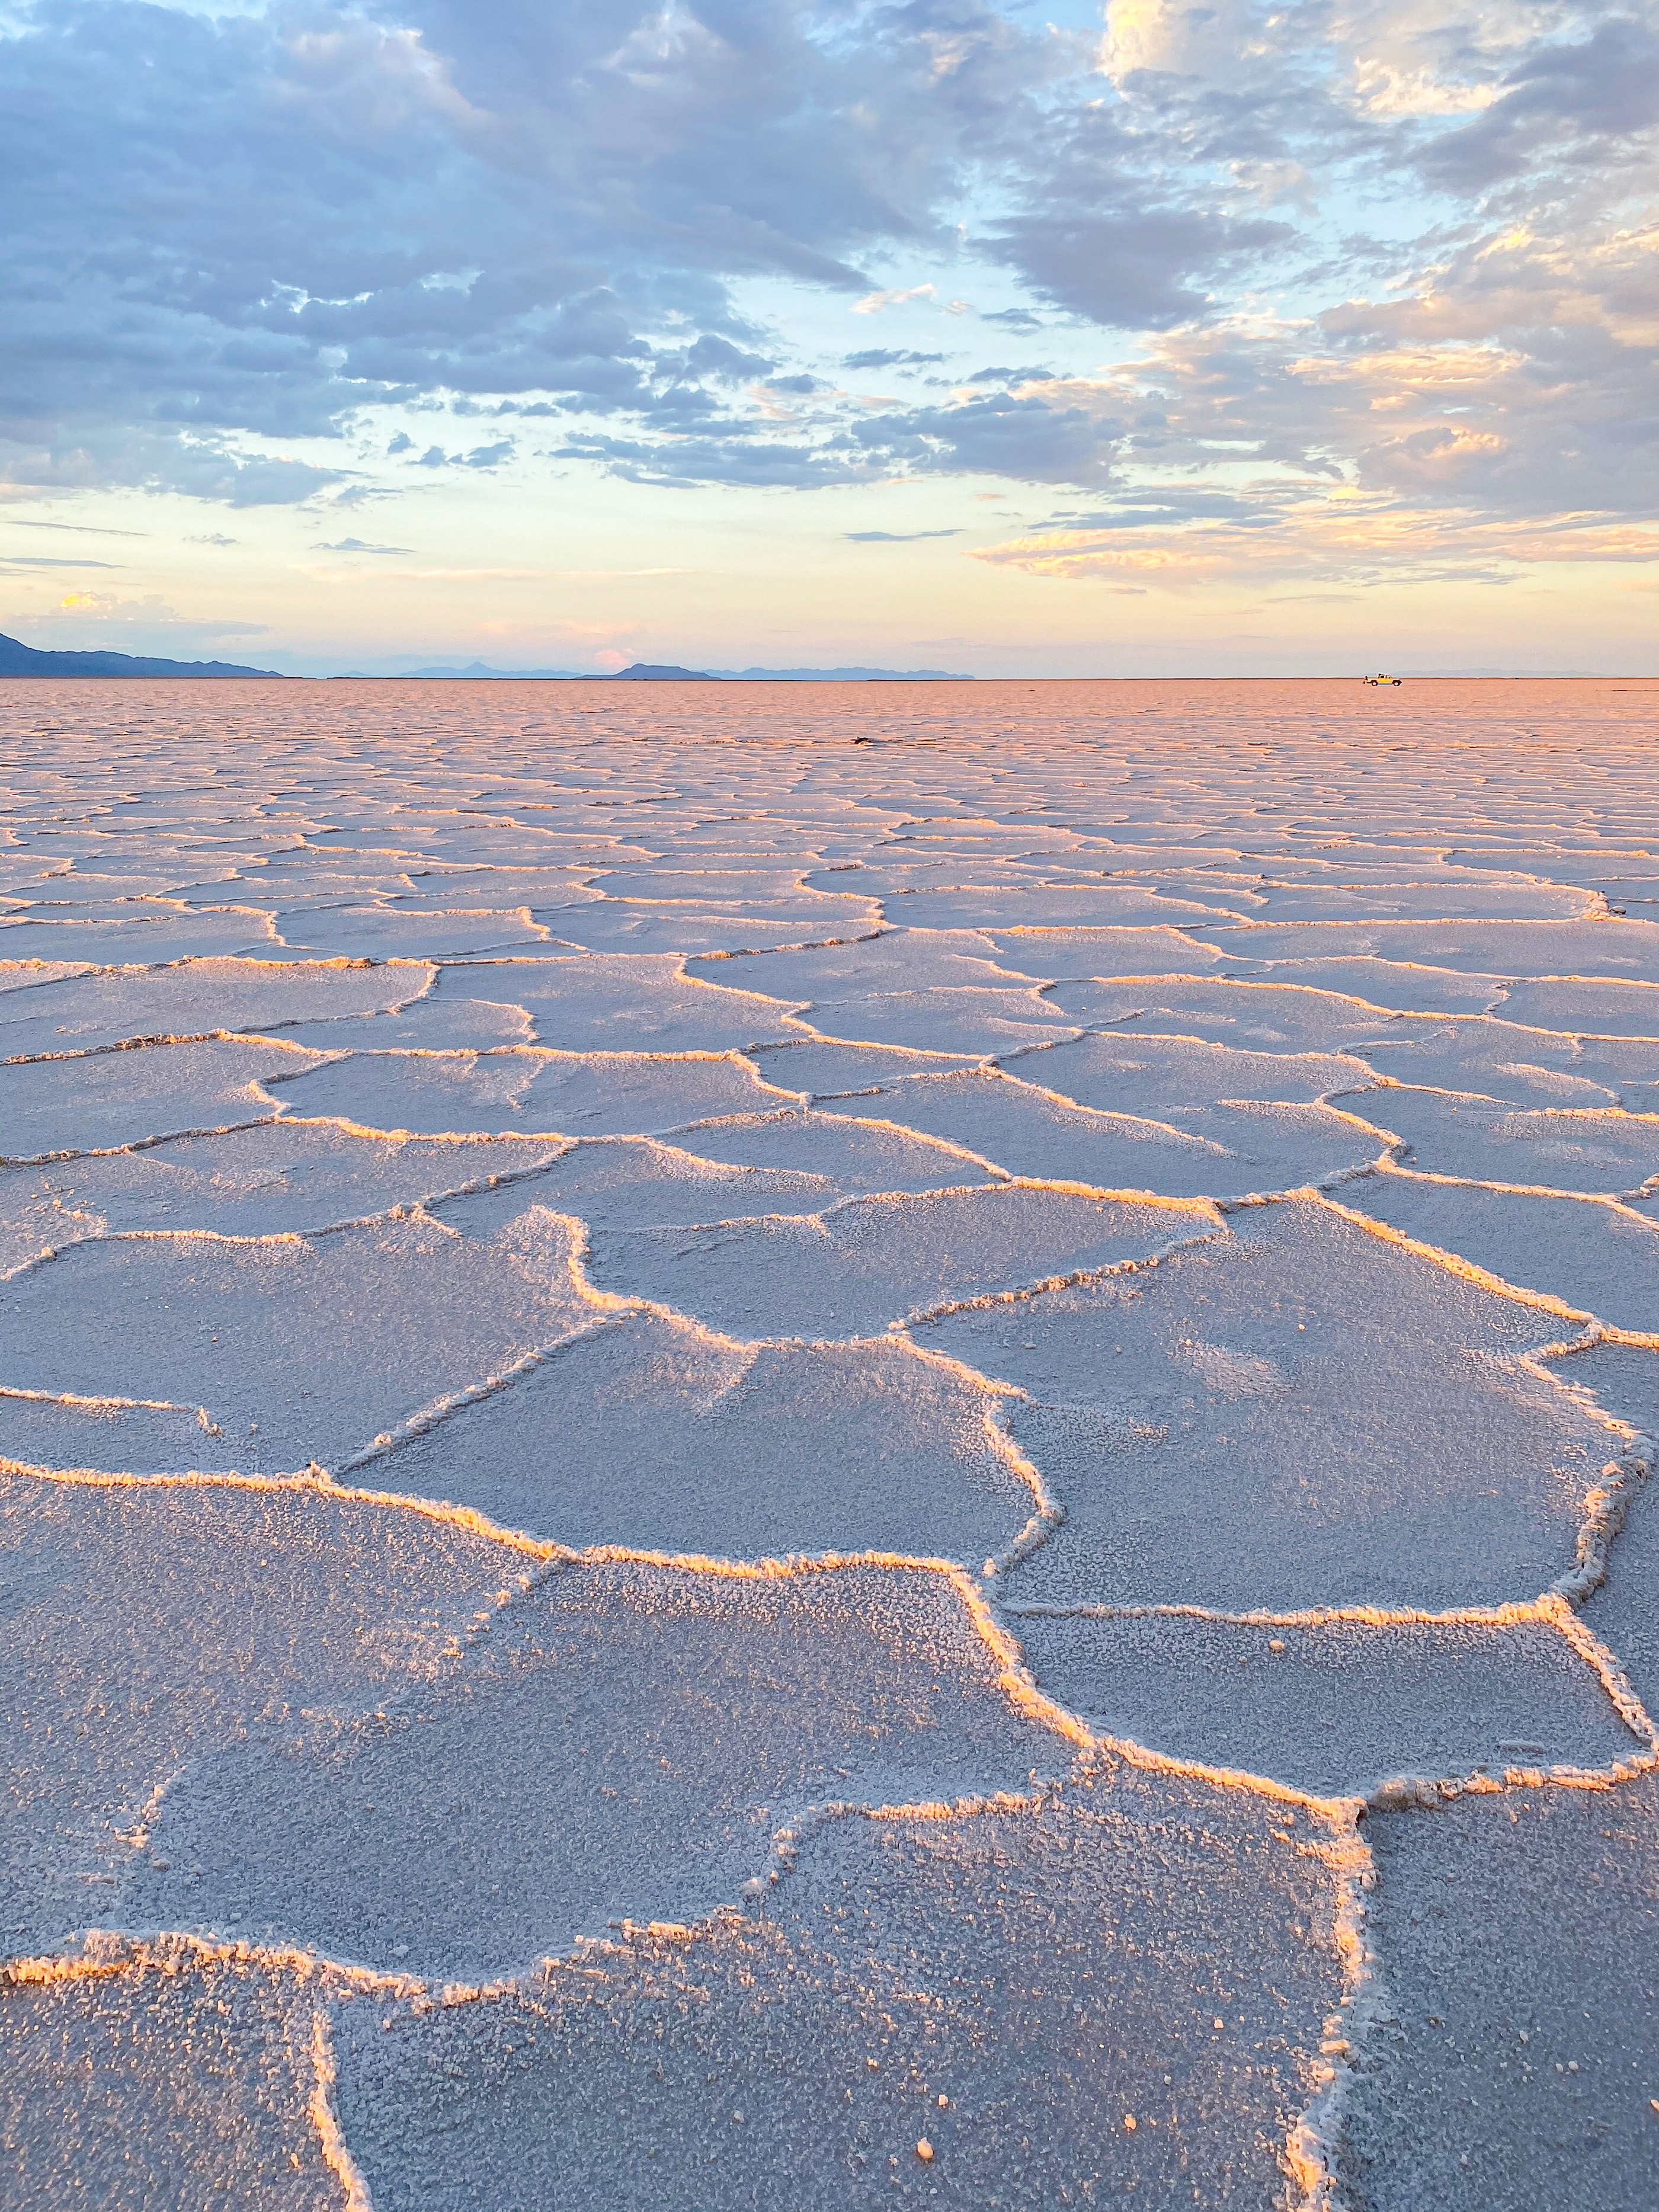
735	1472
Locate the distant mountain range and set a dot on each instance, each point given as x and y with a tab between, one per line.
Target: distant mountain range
19	660
648	671
841	675
1513	674
476	672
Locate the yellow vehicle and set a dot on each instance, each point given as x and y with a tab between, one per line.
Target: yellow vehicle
1381	679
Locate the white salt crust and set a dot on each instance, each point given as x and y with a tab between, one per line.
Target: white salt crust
721	1454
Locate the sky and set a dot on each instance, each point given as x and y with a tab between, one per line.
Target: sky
1236	338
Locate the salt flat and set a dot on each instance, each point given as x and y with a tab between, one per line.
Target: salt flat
756	1474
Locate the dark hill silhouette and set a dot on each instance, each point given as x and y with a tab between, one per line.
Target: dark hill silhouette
649	672
19	660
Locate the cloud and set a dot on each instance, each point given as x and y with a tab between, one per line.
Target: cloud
1576	100
716	360
894	537
479	457
80	614
738	458
873	302
1021	434
108	456
884	357
1095	234
356	546
259	255
76	529
1009	376
1017	434
252	225
45	561
1351	537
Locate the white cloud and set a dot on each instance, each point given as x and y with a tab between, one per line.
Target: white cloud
873	302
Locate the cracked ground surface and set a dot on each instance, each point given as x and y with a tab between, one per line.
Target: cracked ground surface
750	1475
